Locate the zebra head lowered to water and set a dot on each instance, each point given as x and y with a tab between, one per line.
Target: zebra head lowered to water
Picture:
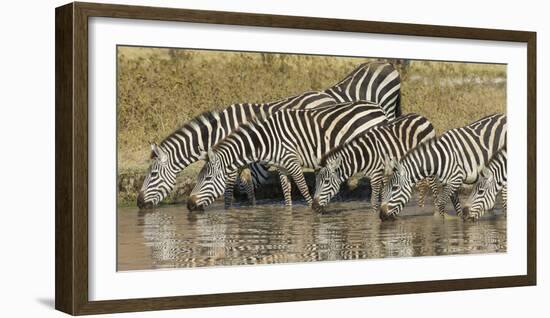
159	181
367	154
288	140
455	158
493	179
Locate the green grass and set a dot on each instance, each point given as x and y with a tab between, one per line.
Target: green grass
160	89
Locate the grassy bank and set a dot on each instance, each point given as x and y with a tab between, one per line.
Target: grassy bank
160	89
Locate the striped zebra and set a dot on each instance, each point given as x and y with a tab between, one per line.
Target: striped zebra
493	179
288	140
455	158
367	154
375	82
190	143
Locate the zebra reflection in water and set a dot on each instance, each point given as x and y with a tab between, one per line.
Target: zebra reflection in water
268	234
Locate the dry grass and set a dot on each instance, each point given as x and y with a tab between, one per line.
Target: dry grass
160	89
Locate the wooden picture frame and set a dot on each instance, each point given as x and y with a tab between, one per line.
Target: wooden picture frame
71	90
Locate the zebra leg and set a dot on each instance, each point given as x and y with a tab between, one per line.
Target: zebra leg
295	171
376	185
230	183
287	187
259	174
432	183
250	192
448	191
421	187
246	183
456	203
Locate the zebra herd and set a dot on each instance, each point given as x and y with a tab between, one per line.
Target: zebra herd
354	127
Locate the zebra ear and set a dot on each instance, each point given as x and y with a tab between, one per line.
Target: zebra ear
389	165
203	155
210	155
488	175
398	167
335	163
161	154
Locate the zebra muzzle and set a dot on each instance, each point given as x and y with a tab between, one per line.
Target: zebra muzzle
192	204
315	206
383	214
141	202
465	212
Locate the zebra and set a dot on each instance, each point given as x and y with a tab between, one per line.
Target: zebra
493	179
375	82
456	157
367	154
288	140
190	143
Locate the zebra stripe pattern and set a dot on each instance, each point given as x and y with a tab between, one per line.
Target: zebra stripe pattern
455	158
493	179
375	82
288	140
367	154
190	143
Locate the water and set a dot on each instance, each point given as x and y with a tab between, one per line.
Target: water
172	237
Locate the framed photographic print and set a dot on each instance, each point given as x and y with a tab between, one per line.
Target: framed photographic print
219	158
